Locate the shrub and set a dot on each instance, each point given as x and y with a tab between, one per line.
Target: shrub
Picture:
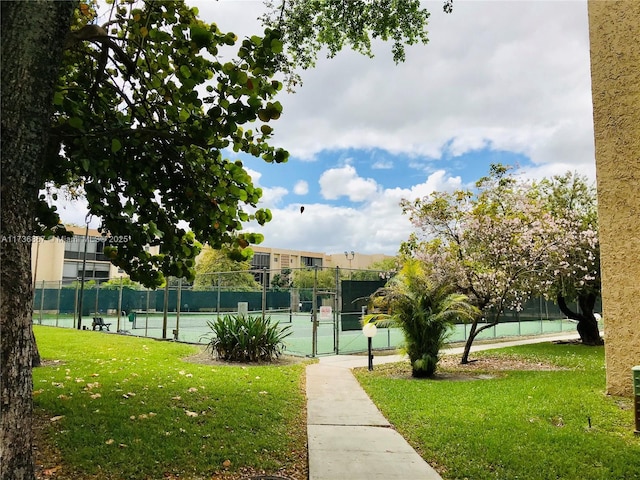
424	310
240	338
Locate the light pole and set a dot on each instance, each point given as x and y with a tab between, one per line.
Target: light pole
350	256
87	220
369	330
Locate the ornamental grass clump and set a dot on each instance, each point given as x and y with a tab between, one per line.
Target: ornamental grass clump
240	338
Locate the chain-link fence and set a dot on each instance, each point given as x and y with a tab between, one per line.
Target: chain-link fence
324	309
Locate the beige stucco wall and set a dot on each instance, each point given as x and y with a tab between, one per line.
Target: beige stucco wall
47	259
614	28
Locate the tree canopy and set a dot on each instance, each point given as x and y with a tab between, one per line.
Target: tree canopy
495	242
312	26
574	274
215	268
144	111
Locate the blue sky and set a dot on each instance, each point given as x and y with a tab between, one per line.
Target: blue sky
499	81
304	179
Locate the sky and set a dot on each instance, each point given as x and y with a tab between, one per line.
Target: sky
499	82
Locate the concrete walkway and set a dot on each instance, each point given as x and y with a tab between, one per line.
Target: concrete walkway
349	439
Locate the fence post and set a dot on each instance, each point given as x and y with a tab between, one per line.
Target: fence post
146	320
97	295
119	305
314	313
165	308
264	291
58	301
75	305
336	315
218	302
41	303
179	299
84	272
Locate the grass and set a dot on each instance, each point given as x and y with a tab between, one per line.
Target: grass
122	407
551	424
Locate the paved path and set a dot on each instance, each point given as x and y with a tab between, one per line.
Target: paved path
349	439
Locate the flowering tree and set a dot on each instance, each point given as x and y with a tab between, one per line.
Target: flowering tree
493	243
574	275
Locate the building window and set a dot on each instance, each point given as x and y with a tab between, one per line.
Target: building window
311	261
260	260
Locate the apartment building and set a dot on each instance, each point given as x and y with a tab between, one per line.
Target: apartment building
61	260
64	260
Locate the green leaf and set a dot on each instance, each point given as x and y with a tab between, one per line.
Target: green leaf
115	145
184	115
185	71
76	122
58	98
276	46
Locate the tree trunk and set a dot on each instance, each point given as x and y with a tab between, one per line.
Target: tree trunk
469	342
33	35
36	361
473	333
587	324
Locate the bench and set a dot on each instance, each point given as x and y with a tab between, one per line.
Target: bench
99	322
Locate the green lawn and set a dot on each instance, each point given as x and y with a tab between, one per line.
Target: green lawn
516	424
114	406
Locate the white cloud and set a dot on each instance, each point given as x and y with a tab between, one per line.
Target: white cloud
273	196
344	181
382	165
376	226
514	75
301	187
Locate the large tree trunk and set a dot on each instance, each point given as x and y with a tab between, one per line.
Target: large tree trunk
33	35
587	324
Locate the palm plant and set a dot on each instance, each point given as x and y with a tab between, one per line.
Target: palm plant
424	310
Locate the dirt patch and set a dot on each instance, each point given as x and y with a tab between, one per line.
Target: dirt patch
494	363
483	368
204	357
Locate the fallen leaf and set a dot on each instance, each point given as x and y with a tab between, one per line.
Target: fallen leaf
110	441
56	418
51	471
192	389
226	463
190	413
95	395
